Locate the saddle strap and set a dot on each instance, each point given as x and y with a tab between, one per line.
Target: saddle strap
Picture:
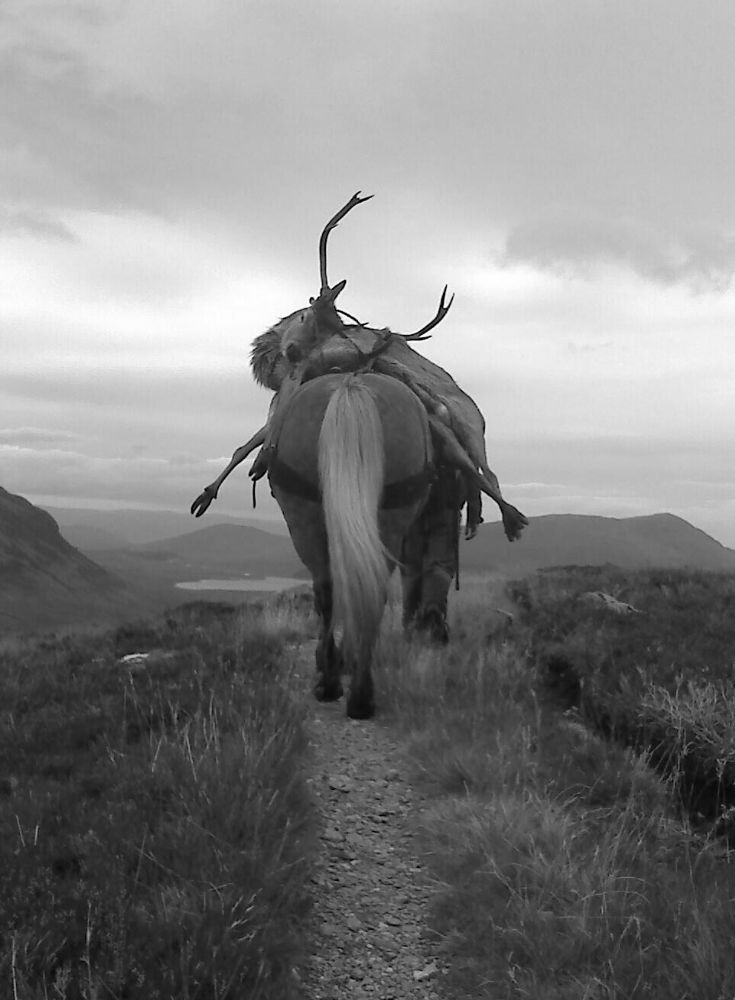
401	493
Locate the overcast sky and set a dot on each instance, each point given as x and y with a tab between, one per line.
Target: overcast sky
166	167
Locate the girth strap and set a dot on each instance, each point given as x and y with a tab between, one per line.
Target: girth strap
399	494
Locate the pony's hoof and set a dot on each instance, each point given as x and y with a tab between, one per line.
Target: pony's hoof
434	624
328	691
360	709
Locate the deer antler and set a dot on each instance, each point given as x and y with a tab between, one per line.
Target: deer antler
440	314
358	322
352	203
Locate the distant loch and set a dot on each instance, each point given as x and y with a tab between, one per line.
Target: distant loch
270	583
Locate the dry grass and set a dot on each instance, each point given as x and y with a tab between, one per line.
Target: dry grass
661	680
156	828
563	867
157	832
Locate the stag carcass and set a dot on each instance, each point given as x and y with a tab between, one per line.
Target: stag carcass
314	341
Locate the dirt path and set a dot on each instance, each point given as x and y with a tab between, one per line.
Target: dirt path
370	896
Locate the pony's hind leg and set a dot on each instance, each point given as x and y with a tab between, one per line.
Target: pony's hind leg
328	686
361	702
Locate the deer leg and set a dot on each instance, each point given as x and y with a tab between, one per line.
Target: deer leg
209	493
513	521
439	414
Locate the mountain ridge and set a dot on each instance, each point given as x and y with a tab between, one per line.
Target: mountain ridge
91	530
655	540
217	550
661	540
44	581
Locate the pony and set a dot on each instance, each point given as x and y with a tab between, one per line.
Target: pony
351	470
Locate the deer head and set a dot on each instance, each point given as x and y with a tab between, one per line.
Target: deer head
297	334
304	329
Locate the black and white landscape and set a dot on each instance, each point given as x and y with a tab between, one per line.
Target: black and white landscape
97	568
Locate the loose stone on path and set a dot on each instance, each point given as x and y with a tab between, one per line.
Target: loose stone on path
370	896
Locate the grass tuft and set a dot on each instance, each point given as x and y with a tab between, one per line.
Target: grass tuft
660	680
157	830
563	866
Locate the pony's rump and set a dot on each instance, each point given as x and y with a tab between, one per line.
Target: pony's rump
350	470
407	447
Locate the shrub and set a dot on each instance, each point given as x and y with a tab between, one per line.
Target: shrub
560	868
660	680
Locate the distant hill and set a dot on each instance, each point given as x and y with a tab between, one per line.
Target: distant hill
658	540
44	581
231	550
92	530
234	547
90	538
218	551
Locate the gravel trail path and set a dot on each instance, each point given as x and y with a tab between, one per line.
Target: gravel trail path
370	890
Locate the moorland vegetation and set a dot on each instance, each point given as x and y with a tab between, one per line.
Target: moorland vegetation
158	834
155	822
570	863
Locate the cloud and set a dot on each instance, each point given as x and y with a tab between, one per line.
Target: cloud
36	437
183	460
60	471
484	115
167	481
577	244
29	222
194	149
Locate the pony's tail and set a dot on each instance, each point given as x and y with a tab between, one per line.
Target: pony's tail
351	473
